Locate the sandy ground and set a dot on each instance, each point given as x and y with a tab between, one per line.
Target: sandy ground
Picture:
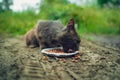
97	62
105	40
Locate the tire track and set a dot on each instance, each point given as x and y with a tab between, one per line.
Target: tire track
56	70
33	71
68	73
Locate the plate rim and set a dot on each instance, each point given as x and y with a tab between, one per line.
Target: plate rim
57	55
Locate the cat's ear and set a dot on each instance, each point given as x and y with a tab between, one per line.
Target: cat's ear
71	25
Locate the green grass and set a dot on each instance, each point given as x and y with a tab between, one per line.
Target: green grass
89	20
17	23
100	21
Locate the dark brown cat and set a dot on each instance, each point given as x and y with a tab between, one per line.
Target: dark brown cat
49	34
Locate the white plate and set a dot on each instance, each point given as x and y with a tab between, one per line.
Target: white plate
44	51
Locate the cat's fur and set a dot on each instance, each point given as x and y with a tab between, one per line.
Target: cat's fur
49	34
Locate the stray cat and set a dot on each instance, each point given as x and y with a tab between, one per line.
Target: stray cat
47	34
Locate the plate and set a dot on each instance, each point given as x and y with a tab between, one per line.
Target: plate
45	51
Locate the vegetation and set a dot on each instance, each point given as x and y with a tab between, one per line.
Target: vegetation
5	5
89	19
115	3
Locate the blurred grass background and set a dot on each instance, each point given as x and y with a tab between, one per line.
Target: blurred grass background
93	19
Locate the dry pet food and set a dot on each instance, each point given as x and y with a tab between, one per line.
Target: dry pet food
56	51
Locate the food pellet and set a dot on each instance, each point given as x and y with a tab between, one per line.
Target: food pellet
63	60
73	60
78	57
44	58
56	51
76	60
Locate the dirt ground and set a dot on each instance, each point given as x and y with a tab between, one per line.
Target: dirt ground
97	62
